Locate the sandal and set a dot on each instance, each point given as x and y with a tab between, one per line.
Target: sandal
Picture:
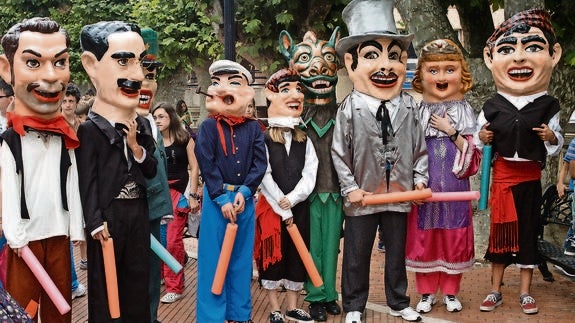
170	298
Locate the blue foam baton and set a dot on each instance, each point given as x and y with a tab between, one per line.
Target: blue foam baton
485	177
165	255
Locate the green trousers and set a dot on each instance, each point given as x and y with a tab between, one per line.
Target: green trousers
326	219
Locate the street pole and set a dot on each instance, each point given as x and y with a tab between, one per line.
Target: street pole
229	31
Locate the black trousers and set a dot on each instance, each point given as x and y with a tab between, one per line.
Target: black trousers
359	236
129	226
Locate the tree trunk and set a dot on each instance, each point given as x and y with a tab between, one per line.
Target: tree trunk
477	25
427	20
514	6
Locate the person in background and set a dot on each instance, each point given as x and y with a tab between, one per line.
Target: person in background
378	147
231	154
289	179
185	117
183	174
521	123
440	244
69	105
6	98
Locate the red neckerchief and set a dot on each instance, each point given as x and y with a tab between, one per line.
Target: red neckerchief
57	125
230	121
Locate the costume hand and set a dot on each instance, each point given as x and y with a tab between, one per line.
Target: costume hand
486	136
285	204
288	222
239	203
419	187
561	189
228	212
18	251
357	196
131	138
194	205
545	133
103	234
440	123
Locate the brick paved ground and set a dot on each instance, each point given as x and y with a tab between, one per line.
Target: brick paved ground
555	300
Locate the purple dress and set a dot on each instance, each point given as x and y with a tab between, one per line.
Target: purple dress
440	234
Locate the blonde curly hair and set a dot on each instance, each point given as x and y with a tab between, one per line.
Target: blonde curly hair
442	50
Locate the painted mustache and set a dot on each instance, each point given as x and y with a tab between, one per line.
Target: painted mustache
128	84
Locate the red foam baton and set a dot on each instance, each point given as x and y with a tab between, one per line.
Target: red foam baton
396	197
45	280
224	260
453	196
304	255
111	278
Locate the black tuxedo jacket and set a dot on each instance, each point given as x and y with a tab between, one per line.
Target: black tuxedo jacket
103	168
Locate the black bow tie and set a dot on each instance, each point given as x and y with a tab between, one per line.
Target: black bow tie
382	116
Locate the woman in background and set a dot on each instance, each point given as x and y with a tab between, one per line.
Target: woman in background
183	173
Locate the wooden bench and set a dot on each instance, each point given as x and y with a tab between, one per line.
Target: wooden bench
554	210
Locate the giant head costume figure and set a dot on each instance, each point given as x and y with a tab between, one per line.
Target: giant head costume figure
151	68
36	64
316	62
442	73
522	52
375	55
112	55
230	92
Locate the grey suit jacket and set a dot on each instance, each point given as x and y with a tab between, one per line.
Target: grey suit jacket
360	158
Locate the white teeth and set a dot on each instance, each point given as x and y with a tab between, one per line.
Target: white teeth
320	82
521	71
324	90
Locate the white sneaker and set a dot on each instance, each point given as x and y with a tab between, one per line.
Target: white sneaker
452	303
353	317
170	298
79	291
408	314
426	302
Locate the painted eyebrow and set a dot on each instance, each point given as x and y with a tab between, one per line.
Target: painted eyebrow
33	52
507	40
369	43
123	55
392	44
283	85
236	76
215	78
533	38
63	51
143	54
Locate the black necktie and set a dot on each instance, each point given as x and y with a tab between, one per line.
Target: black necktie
382	116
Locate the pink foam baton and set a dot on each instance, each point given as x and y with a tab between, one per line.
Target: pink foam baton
45	280
453	196
396	197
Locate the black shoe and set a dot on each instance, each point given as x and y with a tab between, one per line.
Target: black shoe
332	308
317	312
298	315
276	317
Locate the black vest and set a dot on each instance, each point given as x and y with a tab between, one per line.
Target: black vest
513	128
286	170
14	142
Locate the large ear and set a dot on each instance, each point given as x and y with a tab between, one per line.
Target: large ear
269	93
487	57
5	70
286	45
334	37
89	61
557	51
